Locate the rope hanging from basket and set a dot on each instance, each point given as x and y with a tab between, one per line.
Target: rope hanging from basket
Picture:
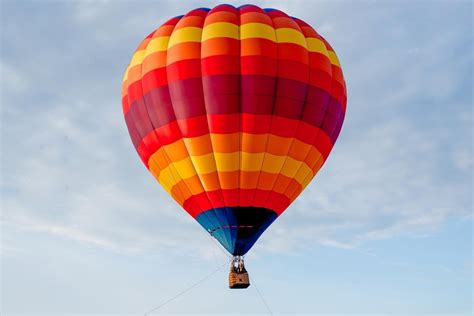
186	290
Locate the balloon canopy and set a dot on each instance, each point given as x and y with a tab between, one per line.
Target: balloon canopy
234	111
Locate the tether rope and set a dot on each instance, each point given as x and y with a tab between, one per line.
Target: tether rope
252	280
186	290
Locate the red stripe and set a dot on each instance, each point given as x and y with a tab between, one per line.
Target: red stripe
224	123
220	64
172	21
154	79
223	7
195	127
258	65
256	91
184	69
250	8
276	14
199	203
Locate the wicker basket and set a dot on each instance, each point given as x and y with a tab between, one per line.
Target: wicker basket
238	280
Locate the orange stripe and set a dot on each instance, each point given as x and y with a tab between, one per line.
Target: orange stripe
249	143
164	30
210	181
195	185
255	17
175	151
309	31
134	74
161	158
198	146
222	16
220	46
229	180
285	22
143	44
192	20
258	47
225	143
182	51
278	145
254	143
312	158
154	61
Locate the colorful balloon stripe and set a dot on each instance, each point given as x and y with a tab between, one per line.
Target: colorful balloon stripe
252	138
318	108
233	109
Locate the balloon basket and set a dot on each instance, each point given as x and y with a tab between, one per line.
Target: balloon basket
238	275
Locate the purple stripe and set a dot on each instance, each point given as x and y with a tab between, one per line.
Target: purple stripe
256	96
290	98
222	94
187	98
160	109
257	93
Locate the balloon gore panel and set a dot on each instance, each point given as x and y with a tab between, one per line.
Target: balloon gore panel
234	111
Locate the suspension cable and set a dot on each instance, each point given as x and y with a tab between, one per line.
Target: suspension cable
252	280
186	290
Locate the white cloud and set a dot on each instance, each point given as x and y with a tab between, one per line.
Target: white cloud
70	169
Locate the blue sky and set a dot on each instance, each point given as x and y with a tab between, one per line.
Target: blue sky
385	227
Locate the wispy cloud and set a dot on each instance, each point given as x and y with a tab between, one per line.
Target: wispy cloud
402	166
383	228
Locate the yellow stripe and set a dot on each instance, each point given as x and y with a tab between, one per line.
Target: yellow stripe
307	175
185	168
227	162
220	29
287	35
257	30
137	58
272	163
333	58
316	45
281	35
251	161
291	167
125	76
186	34
158	44
177	196
165	179
204	164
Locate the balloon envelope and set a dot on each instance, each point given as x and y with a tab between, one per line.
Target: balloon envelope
234	111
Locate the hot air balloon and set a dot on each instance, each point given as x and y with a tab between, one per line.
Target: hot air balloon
234	111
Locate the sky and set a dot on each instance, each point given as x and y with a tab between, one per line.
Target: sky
386	226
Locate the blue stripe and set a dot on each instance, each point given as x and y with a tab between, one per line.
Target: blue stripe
236	228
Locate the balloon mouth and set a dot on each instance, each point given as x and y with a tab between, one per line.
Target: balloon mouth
211	231
236	228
